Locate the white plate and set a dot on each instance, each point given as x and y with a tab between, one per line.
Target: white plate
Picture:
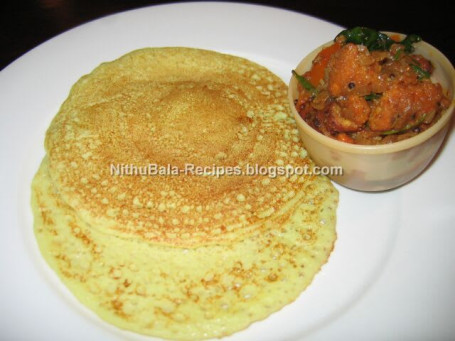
392	270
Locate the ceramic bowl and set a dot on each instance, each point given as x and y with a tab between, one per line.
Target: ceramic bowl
378	167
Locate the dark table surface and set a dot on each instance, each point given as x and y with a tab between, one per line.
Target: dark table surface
27	23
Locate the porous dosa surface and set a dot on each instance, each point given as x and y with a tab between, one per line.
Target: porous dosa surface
180	256
175	106
180	293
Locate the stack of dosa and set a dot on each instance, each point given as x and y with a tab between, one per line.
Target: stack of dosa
185	256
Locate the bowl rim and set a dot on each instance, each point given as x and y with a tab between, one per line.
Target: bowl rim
379	148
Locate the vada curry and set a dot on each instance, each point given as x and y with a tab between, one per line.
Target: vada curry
369	88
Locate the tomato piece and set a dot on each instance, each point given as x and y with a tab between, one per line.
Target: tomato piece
343	137
316	74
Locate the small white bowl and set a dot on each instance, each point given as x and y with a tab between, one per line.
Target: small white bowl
379	167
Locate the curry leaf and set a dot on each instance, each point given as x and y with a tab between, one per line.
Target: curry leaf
421	73
406	128
398	54
408	41
304	82
372	96
375	40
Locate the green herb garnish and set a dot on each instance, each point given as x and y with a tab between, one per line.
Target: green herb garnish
408	41
406	128
372	96
304	82
372	39
375	40
421	73
398	54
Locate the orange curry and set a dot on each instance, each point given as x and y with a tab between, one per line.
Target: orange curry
369	96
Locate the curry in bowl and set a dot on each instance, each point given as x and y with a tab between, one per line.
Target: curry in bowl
370	88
